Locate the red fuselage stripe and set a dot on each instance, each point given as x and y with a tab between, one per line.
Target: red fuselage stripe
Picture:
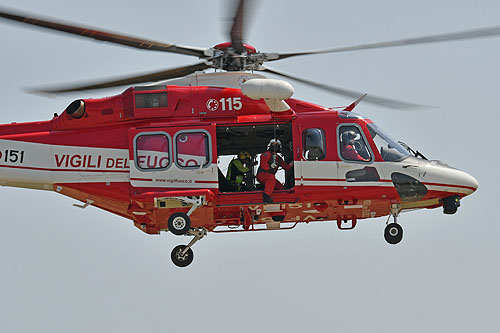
451	185
384	181
210	181
66	170
320	179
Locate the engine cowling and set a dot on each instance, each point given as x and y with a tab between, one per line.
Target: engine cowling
274	92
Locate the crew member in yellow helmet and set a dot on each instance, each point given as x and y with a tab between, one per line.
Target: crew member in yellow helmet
238	169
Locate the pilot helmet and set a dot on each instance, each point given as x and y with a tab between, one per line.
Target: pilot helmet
347	137
274	145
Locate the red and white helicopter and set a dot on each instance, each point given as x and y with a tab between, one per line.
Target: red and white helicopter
156	154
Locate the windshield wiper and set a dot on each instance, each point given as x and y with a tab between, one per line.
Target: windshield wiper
415	153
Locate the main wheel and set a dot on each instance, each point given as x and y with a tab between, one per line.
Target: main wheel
179	259
179	223
393	233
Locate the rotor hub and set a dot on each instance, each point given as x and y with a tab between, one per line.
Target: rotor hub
228	46
225	57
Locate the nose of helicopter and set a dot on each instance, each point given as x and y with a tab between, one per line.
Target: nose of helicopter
455	180
466	181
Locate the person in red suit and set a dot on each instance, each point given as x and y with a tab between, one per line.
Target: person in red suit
348	151
270	161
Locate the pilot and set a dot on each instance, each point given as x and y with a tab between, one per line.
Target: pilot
348	150
238	169
270	161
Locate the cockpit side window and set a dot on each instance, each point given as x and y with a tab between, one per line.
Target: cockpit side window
313	144
352	144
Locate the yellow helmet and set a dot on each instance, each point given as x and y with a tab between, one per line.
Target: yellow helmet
244	155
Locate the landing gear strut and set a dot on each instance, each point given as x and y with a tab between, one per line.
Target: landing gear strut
182	255
393	233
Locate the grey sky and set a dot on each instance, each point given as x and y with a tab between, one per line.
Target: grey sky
70	270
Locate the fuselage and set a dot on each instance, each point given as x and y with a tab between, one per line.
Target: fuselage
134	153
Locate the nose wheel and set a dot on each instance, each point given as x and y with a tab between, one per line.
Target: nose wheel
183	255
393	232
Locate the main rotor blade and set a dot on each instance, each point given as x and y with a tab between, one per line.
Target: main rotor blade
156	76
468	34
105	36
237	28
381	101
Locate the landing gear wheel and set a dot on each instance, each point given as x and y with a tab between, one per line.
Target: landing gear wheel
179	259
393	233
179	223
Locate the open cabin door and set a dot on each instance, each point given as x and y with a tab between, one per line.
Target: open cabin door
173	157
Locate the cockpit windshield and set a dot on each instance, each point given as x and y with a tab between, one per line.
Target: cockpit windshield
390	150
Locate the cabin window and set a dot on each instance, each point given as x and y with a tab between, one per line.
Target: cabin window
152	151
192	149
151	100
352	145
313	144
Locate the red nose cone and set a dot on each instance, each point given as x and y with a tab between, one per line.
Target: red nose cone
224	46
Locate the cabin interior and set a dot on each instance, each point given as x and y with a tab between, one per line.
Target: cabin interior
233	139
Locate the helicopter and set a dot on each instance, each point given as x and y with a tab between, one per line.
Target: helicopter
154	154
